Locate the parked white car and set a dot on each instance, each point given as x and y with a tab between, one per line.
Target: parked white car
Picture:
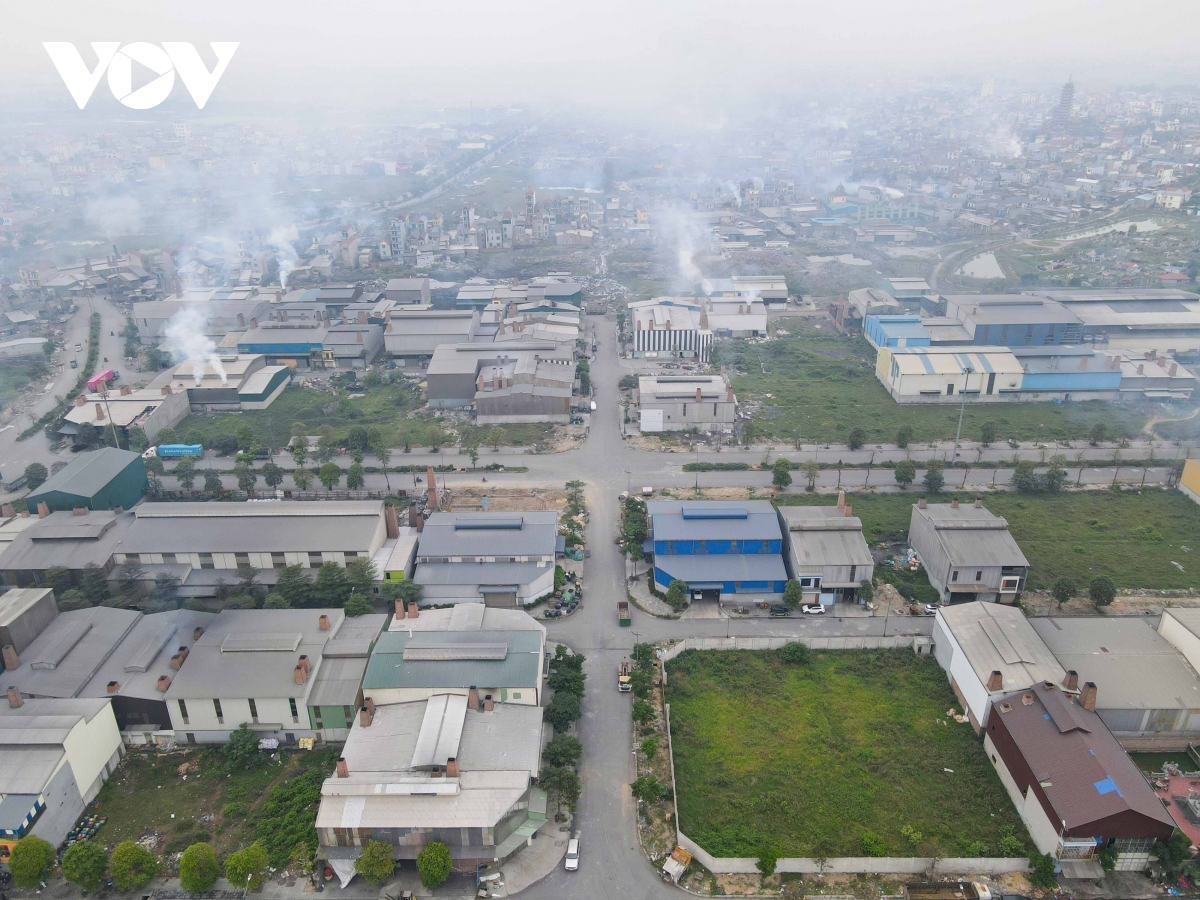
572	862
812	609
931	609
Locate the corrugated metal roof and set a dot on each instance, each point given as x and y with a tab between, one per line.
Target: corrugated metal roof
999	638
442	535
441	731
337	681
87	474
63	658
519	668
670	523
477	573
724	567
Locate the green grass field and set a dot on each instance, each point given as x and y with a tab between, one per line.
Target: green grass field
822	385
806	760
385	407
1132	537
16	375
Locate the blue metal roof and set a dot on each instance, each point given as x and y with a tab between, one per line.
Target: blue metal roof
674	520
723	567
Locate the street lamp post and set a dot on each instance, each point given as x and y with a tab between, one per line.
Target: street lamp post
968	371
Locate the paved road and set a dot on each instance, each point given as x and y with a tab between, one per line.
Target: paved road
16	455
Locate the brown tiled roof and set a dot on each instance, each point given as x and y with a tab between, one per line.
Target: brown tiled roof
1082	769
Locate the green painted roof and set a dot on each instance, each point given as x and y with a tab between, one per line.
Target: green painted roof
518	669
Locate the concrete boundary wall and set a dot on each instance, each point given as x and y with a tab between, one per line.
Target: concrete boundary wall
844	865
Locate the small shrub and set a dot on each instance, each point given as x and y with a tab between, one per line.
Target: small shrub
975	849
795	653
642	712
650	747
235	810
873	844
649	789
1010	844
1041	871
766	862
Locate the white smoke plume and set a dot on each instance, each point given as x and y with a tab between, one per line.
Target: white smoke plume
281	239
116	215
187	341
679	228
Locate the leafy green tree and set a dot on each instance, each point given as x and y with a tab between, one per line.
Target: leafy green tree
31	861
72	599
433	863
326	448
1099	433
294	585
1025	478
360	573
1064	590
792	593
59	579
302	478
355	477
138	442
856	438
276	600
568	680
166	436
407	590
358	438
781	475
93	584
677	594
357	605
383	453
905	473
904	436
795	653
1041	867
564	750
866	591
242	750
766	862
272	475
1102	591
198	868
812	471
987	433
246	439
247	868
472	450
246	476
934	479
154	466
212	481
377	861
35	475
1053	479
562	784
185	473
132	866
331	586
330	474
496	436
563	710
649	789
642	712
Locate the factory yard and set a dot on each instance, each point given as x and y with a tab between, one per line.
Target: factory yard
820	385
851	754
1145	539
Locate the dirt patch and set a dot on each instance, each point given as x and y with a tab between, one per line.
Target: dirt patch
1042	603
507	499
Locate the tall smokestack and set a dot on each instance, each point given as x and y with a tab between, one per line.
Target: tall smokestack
431	488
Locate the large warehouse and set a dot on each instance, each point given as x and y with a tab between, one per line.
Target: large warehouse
101	479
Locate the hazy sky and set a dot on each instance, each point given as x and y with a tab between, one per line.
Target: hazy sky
639	54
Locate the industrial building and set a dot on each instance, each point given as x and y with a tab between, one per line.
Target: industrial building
218	311
55	755
494	558
62	539
107	478
407	290
1075	788
147	408
1013	320
456	378
1189	480
686	403
825	551
988	650
523	389
967	551
498	652
943	375
736	318
287	673
24	614
717	547
1164	320
415	332
225	383
669	327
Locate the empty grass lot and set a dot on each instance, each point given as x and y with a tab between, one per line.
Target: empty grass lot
1133	537
823	385
810	760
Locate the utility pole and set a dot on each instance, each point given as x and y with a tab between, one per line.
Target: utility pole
108	412
968	371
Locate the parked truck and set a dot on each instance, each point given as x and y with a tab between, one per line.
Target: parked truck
623	613
624	680
172	451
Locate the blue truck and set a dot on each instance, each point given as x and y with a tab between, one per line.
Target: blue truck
177	450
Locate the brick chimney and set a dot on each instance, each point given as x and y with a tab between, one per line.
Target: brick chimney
164	682
14	698
99	411
323	622
413	516
80	400
995	681
452	768
849	510
431	488
473	698
176	661
43	509
304	661
9	653
729	394
126	390
393	527
921	504
343	770
366	715
487	704
401	612
8	510
79	510
196	632
841	499
299	674
113	687
954	503
699	395
1087	699
1071	682
412	609
166	390
1174	368
979	503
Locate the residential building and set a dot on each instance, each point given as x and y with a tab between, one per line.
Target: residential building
107	478
55	755
825	551
1147	687
967	552
670	327
435	770
498	653
717	547
287	673
408	291
988	650
686	403
494	558
1072	783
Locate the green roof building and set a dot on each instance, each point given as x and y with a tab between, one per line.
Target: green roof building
102	479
